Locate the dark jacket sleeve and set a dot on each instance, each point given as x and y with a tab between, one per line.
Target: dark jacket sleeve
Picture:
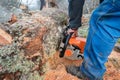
75	13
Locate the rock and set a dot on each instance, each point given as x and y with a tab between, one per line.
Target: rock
5	38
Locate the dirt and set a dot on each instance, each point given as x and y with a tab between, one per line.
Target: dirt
57	69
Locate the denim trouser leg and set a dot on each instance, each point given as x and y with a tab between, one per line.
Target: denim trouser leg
75	12
103	33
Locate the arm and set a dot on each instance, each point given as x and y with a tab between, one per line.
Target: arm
75	13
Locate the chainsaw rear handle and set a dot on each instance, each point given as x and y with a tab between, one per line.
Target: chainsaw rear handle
66	42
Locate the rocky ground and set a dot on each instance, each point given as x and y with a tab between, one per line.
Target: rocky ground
28	45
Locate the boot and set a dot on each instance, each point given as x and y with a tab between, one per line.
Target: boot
117	48
74	70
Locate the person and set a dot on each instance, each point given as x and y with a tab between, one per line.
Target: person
43	3
75	10
104	32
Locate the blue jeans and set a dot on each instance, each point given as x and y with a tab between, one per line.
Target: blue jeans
103	33
75	13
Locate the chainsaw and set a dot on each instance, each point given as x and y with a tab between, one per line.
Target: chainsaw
71	47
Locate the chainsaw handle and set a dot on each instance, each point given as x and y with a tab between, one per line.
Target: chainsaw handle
66	42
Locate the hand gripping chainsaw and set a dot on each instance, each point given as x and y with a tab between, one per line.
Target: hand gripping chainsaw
71	47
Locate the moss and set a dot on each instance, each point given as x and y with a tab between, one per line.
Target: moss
35	76
83	31
12	60
12	57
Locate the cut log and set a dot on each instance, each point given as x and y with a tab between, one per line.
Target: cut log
5	38
40	30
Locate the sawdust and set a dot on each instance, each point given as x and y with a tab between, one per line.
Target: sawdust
59	74
57	68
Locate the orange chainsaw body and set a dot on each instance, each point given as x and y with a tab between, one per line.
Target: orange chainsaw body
77	41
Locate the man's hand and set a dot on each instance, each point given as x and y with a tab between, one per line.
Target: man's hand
72	31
